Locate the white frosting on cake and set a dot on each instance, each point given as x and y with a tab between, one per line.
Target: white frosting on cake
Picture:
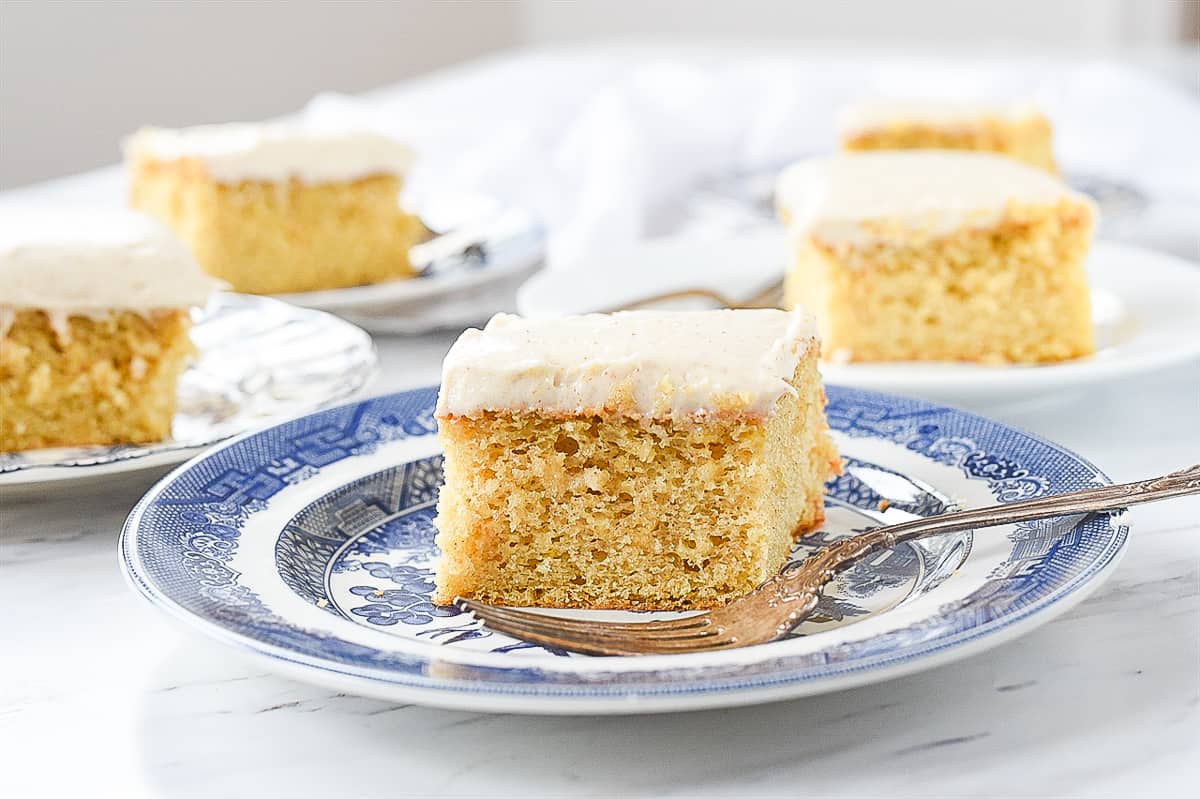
646	364
875	114
273	152
859	197
88	263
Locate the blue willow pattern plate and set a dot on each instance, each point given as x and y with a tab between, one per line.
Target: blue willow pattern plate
310	545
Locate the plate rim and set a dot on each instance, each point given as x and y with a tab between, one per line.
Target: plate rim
481	695
978	384
145	457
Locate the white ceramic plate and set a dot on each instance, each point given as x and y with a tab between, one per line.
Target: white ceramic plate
1146	307
473	270
258	361
309	546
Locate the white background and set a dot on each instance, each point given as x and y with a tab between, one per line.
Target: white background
77	76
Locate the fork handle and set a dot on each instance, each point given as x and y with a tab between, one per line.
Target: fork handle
825	563
1089	500
666	296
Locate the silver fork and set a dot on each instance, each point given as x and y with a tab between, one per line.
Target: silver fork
776	607
769	297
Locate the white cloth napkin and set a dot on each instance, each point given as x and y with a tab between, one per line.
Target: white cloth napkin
609	144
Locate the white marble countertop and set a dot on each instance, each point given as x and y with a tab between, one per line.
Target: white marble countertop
98	691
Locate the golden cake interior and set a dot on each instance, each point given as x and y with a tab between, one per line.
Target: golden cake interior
607	511
272	238
106	380
1013	292
1027	139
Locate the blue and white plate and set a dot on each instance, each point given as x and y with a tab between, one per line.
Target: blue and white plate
258	361
310	547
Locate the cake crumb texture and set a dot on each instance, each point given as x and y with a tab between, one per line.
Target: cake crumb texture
1012	292
610	511
105	380
280	237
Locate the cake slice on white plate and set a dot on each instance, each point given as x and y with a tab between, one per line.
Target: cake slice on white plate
278	208
938	255
95	309
1017	130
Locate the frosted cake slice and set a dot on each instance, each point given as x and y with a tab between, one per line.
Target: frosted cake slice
1017	130
94	320
277	208
640	460
938	255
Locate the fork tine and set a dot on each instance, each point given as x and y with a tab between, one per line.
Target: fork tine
575	639
609	645
547	639
564	623
551	625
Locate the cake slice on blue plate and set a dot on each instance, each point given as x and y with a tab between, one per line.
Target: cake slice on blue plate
640	460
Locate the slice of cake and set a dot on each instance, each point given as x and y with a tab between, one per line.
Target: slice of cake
94	319
640	460
1017	130
938	255
275	208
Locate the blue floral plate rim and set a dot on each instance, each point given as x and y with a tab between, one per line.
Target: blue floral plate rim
995	454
